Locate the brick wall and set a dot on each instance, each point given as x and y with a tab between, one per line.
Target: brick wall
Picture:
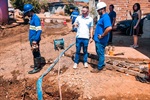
122	7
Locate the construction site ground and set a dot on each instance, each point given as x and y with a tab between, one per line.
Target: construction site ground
76	84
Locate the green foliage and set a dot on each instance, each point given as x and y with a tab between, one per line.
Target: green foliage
69	8
71	1
44	5
18	4
93	11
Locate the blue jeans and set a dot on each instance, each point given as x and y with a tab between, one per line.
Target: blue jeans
81	42
100	50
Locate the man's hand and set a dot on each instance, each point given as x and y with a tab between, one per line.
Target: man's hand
135	27
34	42
100	36
34	46
75	25
91	40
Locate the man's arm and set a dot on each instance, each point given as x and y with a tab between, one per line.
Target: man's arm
75	24
114	20
107	26
91	32
107	30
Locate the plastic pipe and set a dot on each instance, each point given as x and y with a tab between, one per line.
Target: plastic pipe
39	81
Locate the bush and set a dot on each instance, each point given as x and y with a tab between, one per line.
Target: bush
69	8
18	4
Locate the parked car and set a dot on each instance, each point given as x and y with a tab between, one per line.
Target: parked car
125	25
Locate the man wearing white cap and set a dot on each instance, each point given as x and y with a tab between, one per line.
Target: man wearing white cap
101	35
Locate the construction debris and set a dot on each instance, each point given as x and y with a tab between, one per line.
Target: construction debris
127	66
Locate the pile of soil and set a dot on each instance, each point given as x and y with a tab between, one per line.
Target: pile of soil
25	89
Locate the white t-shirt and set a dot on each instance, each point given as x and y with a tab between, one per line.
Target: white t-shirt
84	25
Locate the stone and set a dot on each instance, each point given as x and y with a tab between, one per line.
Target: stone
134	68
122	70
131	72
109	67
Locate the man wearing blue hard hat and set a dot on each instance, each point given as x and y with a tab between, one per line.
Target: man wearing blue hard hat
34	37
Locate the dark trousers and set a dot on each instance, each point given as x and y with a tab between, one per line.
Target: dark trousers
110	37
36	53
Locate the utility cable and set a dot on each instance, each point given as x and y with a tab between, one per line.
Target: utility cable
59	83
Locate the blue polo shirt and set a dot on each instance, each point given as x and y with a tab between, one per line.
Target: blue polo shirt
101	25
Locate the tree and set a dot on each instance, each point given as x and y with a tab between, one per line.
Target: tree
44	4
18	4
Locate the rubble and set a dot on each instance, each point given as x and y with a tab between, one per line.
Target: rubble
123	66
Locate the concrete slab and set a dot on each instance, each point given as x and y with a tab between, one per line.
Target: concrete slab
129	53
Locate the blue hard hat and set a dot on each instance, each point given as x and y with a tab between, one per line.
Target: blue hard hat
27	8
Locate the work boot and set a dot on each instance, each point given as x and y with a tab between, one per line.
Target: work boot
37	66
32	66
95	70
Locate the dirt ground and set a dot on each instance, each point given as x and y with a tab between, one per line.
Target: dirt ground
79	84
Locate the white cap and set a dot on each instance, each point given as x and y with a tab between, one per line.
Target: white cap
101	5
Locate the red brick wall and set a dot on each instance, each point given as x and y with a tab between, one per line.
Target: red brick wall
122	7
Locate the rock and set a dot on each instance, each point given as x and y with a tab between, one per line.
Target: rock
134	68
131	72
109	67
69	53
110	62
122	70
141	75
143	69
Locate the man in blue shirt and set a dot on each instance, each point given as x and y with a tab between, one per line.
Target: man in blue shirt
34	36
101	35
74	15
112	15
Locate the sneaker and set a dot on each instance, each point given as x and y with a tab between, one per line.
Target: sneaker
86	65
134	46
75	65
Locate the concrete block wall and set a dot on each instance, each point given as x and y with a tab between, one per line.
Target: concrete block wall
122	7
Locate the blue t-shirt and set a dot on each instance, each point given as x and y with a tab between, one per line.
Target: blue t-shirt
74	15
112	15
101	25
